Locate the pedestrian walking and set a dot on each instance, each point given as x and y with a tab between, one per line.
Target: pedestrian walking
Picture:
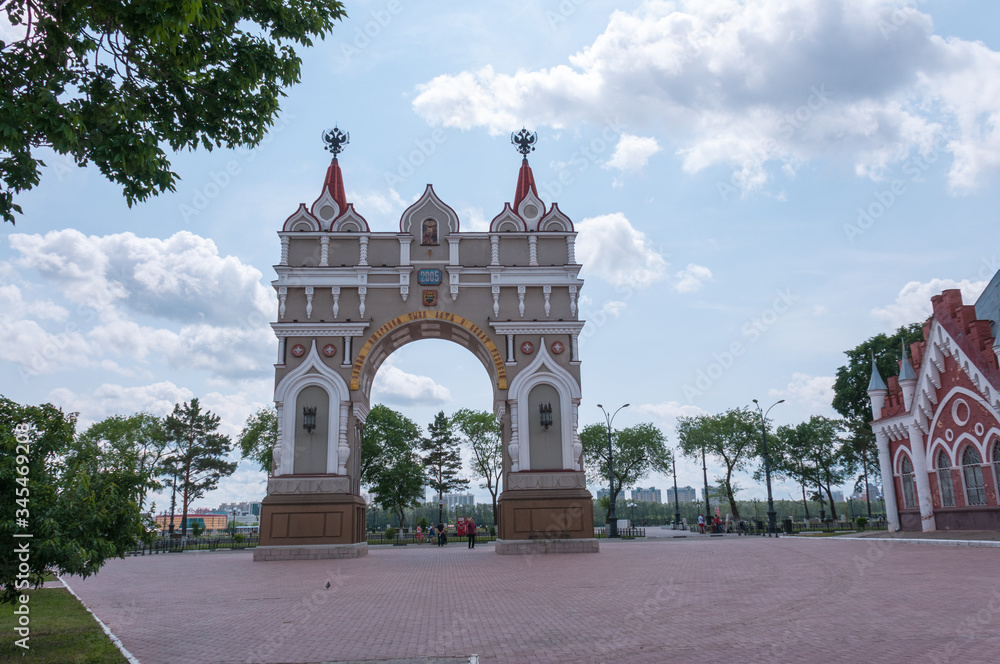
470	529
701	524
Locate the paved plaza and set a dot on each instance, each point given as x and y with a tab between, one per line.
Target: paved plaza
697	599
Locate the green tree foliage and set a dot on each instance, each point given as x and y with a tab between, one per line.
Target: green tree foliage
196	460
789	449
390	467
259	436
197	527
115	83
481	432
441	457
141	436
636	452
850	390
81	498
733	438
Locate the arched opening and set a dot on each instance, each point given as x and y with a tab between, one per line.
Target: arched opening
909	493
972	473
945	486
312	431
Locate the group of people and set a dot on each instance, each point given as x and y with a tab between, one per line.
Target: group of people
439	535
716	524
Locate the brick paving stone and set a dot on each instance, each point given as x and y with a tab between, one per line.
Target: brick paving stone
747	599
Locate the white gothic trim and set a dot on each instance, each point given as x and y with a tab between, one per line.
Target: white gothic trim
312	371
543	370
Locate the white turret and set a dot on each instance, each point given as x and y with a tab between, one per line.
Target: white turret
877	391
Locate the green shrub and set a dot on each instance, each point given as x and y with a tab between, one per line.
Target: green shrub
390	533
239	537
861	521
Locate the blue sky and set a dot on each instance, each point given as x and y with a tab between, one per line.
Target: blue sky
757	185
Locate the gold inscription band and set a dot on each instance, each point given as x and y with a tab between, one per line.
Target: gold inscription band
498	362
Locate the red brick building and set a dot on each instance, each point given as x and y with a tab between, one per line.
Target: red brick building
937	423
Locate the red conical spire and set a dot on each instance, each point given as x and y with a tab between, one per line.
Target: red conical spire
525	183
334	183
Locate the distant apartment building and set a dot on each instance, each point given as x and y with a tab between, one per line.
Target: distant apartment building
650	495
247	507
685	494
216	521
452	500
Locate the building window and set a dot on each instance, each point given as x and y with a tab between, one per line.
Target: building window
909	497
996	463
975	492
944	481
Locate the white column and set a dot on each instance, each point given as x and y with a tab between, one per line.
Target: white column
533	250
496	301
571	250
362	293
453	251
284	250
281	350
494	250
309	302
574	348
510	348
572	300
279	445
282	296
888	484
547	293
924	499
324	251
335	291
520	300
347	352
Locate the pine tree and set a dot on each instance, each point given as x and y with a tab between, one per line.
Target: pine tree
197	460
442	459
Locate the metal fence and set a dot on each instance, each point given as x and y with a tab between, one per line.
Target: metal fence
179	544
788	527
402	539
623	533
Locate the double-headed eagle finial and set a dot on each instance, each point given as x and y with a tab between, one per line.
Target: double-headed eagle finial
336	140
524	140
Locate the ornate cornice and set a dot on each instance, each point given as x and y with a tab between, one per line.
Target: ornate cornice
320	329
541	327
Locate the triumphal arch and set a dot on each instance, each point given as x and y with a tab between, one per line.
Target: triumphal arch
348	297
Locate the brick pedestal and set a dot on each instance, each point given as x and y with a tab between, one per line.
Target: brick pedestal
312	525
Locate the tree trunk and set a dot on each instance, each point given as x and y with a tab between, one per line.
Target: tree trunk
833	510
805	503
732	499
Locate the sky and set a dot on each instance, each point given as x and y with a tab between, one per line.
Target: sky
758	186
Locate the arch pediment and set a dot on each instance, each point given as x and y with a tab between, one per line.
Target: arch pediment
429	206
301	220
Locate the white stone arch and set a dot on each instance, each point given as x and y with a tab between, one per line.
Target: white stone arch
940	444
507	222
301	220
326	209
543	370
555	220
897	460
351	222
312	372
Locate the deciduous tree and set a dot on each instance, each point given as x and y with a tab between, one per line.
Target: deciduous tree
637	451
481	432
117	83
79	500
390	466
259	436
733	438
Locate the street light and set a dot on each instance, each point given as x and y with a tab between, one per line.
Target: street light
771	515
677	506
631	515
612	519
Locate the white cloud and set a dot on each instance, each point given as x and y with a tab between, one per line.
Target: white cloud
692	278
632	153
667	412
181	278
913	304
748	84
612	249
814	393
110	399
394	386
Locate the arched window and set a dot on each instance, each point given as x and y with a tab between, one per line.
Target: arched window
944	480
909	497
996	462
972	470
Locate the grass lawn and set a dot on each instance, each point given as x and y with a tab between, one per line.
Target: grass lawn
62	632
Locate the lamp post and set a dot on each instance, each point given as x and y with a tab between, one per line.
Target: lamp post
612	519
771	515
704	470
631	515
677	506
